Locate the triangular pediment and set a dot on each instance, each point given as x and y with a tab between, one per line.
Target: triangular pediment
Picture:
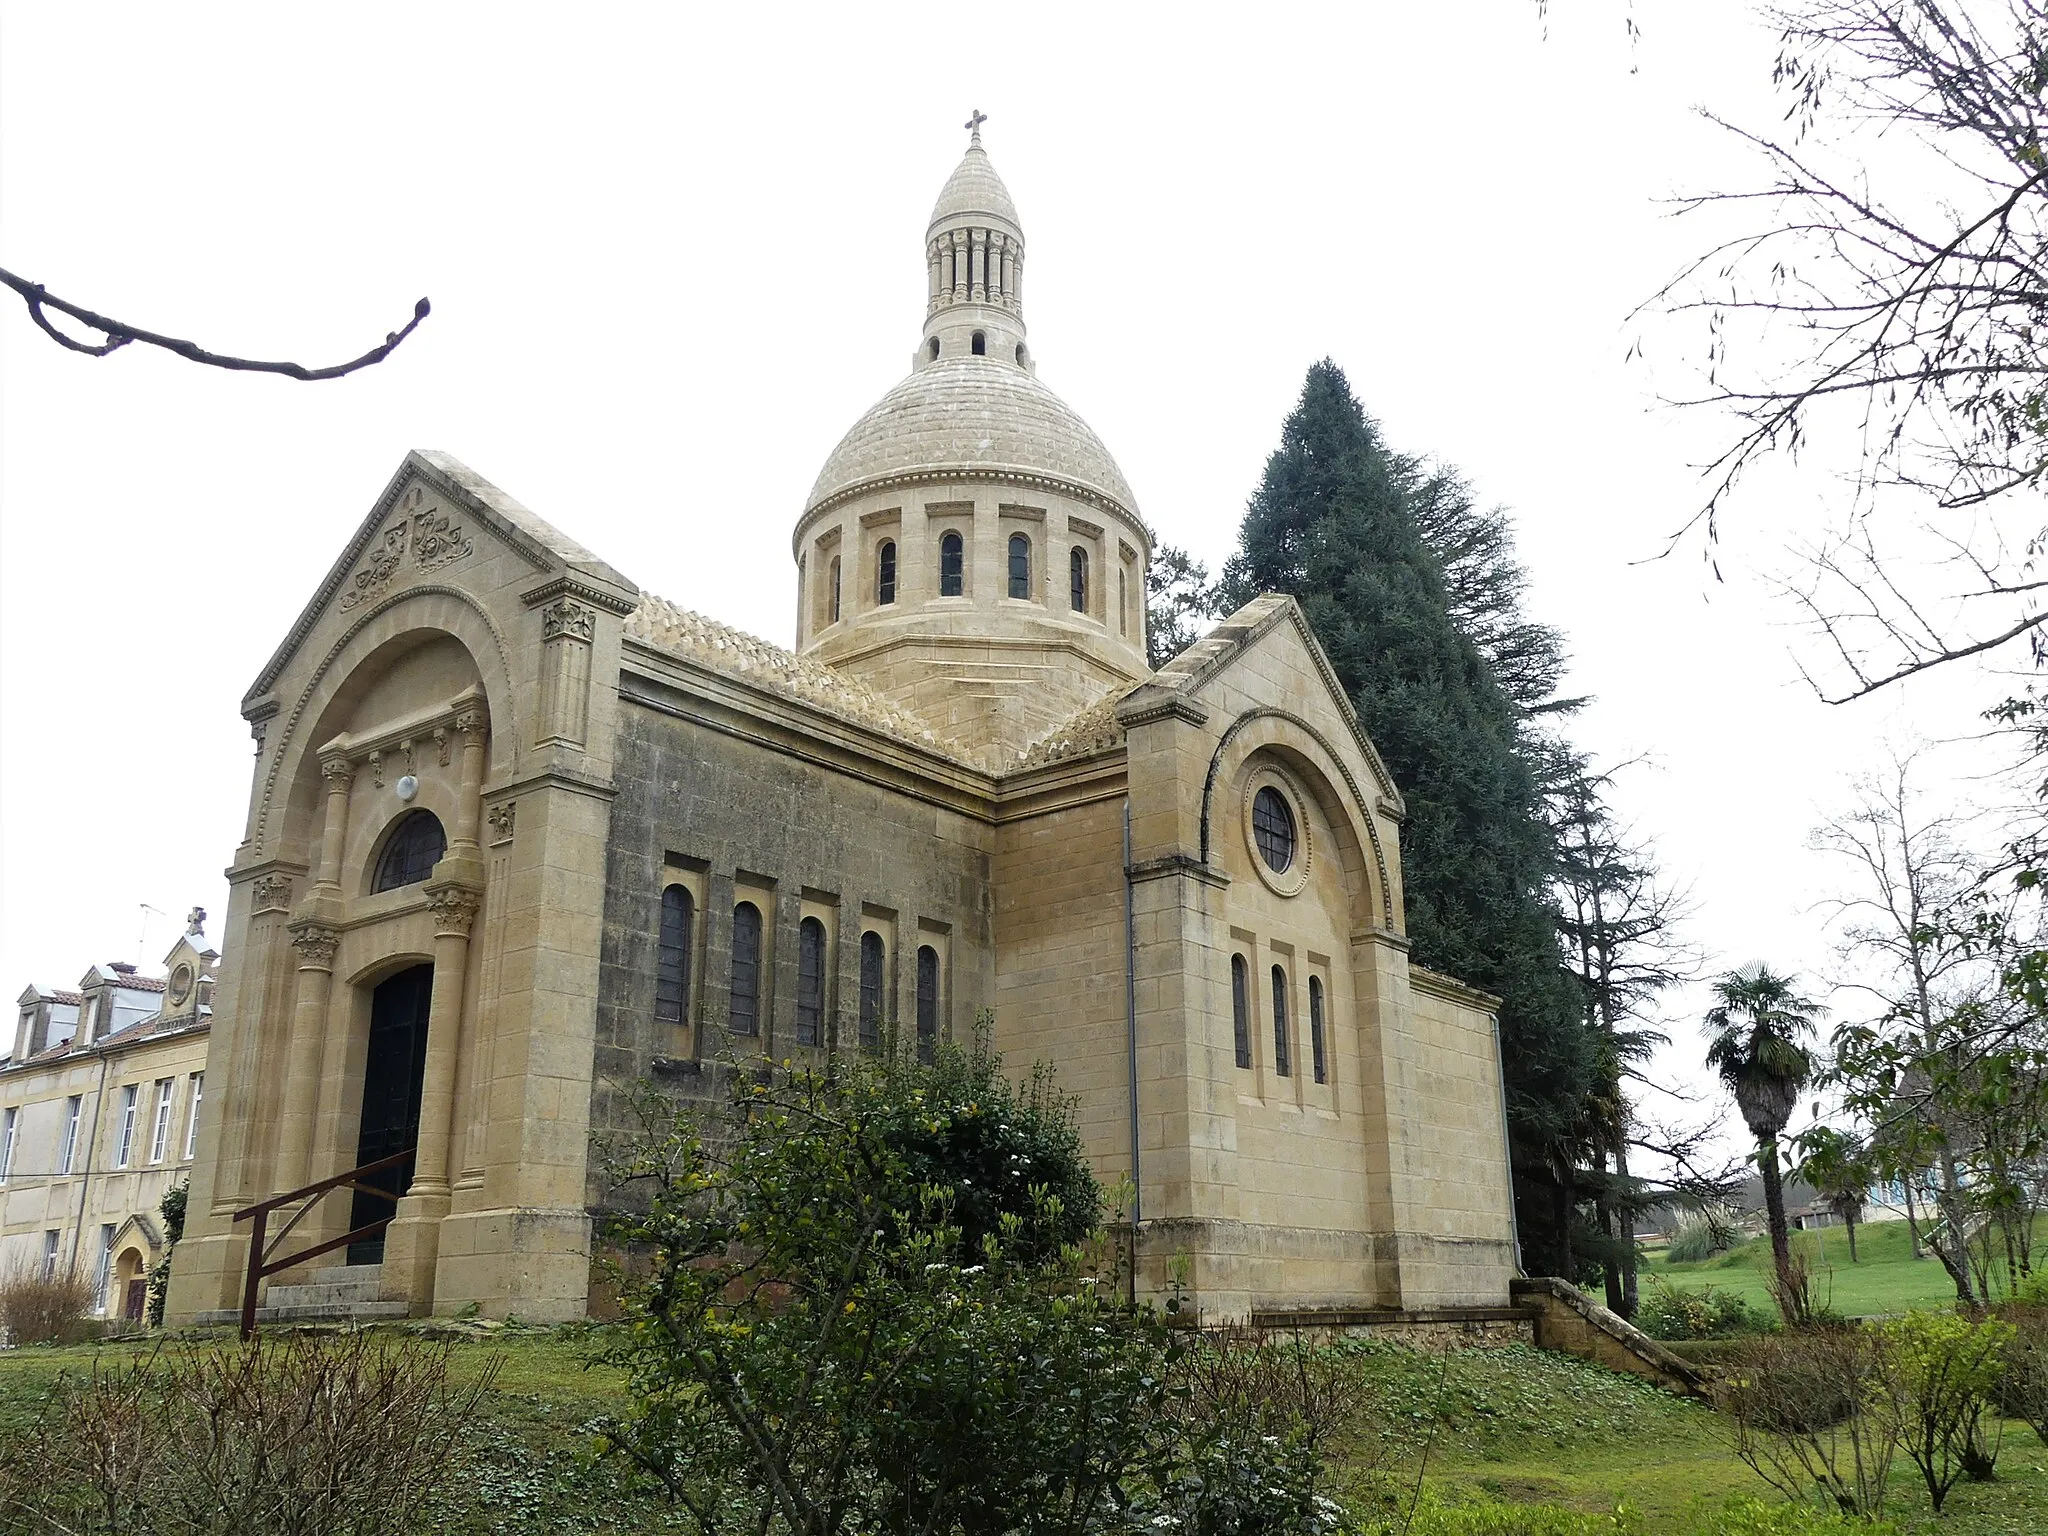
434	517
1272	619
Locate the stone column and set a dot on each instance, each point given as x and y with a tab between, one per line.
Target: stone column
978	264
316	945
959	241
934	270
315	935
455	907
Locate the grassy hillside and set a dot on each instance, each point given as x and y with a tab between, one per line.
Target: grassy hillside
1887	1279
1512	1426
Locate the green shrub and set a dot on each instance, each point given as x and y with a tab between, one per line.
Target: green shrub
2022	1391
1672	1312
1946	1368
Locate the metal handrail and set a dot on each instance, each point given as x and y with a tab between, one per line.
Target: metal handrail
262	1265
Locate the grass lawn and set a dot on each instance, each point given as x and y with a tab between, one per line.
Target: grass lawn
1887	1279
1516	1425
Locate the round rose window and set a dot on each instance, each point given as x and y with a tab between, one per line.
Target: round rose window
181	984
1273	828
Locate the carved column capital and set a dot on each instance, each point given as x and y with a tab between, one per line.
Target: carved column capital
272	892
316	944
563	619
455	908
337	766
470	722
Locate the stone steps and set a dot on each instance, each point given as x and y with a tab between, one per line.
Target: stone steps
341	1293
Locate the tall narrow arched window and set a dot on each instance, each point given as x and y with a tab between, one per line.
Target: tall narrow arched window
672	956
834	595
810	982
927	1002
411	850
1282	1059
873	958
1077	578
1315	1028
885	573
1123	603
950	564
745	1016
932	349
1020	565
980	344
1241	1009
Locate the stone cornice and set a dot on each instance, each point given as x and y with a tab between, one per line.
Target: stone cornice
1177	864
1451	990
1140	709
1054	485
610	599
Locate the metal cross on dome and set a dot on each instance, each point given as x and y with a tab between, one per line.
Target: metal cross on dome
973	125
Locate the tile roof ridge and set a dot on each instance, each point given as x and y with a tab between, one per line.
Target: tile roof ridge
669	627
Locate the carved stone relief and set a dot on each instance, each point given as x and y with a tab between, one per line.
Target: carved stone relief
370	581
503	818
271	892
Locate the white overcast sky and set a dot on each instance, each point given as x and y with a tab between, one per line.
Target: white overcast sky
674	251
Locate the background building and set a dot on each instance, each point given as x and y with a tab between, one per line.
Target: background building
100	1108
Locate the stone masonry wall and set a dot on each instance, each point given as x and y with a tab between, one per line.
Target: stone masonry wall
732	819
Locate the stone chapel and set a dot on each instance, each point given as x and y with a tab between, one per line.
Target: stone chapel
522	833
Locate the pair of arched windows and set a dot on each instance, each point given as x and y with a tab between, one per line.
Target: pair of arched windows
1283	1056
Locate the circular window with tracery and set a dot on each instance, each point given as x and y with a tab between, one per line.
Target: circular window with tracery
1277	831
1273	829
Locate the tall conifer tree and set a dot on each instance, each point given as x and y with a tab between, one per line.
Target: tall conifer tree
1334	524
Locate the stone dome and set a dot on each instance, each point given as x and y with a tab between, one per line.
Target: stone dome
975	188
982	415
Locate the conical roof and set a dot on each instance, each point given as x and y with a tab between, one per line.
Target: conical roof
975	188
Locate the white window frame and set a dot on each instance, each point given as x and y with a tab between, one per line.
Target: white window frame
192	1122
105	1272
52	1239
160	1133
7	1144
125	1147
73	1110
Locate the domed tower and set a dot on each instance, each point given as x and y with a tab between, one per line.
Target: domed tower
970	549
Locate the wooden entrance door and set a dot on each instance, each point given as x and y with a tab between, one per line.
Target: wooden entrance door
393	1071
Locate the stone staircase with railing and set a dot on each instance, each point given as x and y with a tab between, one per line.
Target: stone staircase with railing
340	1293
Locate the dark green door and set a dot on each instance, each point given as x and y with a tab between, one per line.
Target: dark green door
392	1074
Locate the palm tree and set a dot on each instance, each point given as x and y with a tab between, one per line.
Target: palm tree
1757	1032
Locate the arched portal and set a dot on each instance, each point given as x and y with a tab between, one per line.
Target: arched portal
394	1070
128	1297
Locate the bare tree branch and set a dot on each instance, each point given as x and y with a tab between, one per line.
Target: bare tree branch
119	333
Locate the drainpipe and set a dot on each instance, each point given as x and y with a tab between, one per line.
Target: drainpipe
1507	1152
1131	1035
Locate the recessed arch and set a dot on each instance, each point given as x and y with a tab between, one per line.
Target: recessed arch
1323	768
379	631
